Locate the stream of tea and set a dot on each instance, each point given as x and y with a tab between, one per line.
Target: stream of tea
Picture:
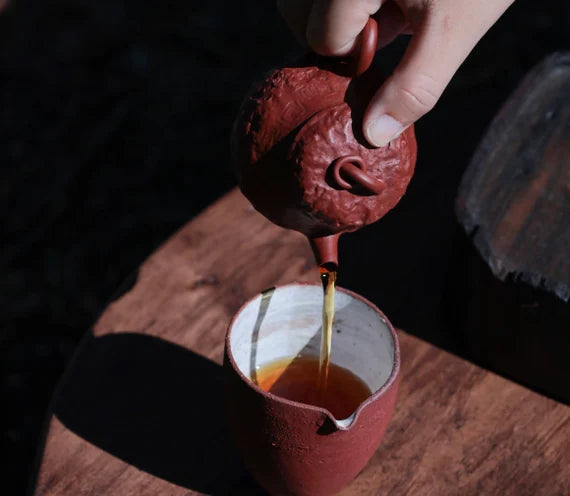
315	380
328	278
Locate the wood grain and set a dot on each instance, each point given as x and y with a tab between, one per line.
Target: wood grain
514	197
139	411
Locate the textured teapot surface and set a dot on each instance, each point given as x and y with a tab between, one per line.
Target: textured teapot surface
301	158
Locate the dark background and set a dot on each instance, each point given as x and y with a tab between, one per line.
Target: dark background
114	126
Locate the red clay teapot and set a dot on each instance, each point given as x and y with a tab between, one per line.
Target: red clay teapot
301	158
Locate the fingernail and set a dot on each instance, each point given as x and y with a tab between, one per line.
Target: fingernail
383	130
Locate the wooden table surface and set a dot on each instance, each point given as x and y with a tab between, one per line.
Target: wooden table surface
140	409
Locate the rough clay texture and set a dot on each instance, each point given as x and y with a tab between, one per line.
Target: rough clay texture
329	135
294	449
289	132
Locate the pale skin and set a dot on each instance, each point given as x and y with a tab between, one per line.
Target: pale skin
443	33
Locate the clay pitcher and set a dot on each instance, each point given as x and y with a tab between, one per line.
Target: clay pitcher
293	448
300	156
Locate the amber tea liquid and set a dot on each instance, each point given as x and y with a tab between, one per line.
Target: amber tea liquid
298	380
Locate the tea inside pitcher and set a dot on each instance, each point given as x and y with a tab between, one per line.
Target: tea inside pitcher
298	380
315	380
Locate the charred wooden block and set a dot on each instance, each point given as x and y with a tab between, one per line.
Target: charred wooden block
514	202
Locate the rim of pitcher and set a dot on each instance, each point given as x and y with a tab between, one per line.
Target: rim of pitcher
339	422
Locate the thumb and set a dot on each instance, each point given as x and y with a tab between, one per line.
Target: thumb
444	36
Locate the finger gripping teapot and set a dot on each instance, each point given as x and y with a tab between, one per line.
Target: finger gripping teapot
301	158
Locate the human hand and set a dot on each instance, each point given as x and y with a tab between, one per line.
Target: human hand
443	34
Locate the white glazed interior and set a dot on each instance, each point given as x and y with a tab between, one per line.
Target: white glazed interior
286	322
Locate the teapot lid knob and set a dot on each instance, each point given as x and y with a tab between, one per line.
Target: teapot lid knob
354	167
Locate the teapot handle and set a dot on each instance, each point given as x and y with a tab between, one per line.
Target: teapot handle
367	49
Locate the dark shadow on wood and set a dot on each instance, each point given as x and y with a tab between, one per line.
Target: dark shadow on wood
508	326
157	406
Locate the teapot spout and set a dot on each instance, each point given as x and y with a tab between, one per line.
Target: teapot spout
325	249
